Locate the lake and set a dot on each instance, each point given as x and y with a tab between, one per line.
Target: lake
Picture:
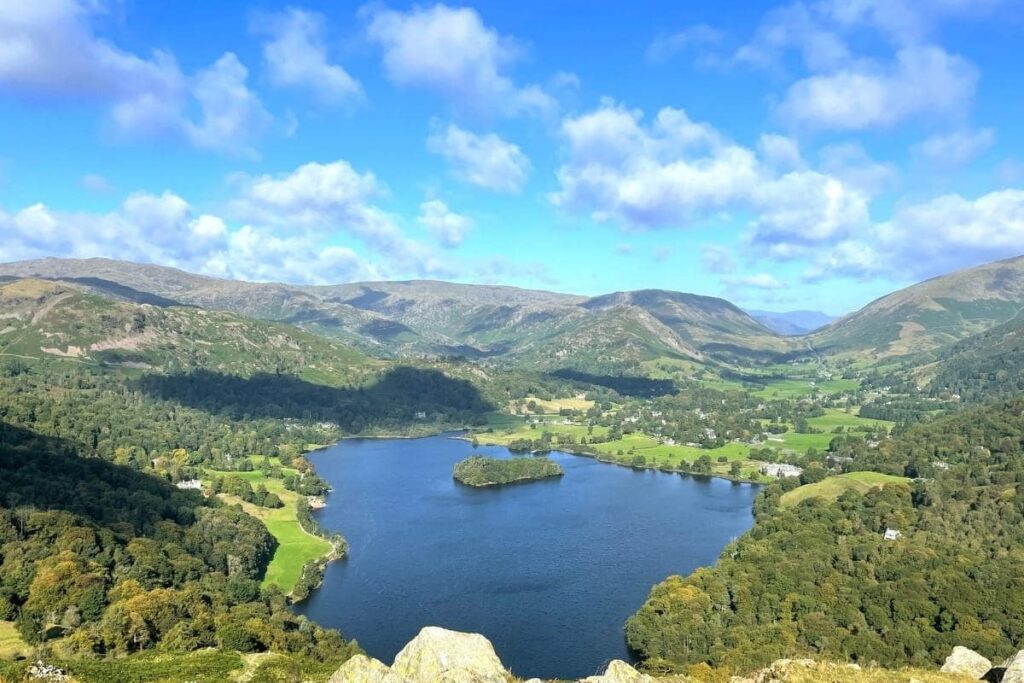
547	570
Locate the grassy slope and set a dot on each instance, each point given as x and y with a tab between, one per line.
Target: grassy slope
833	487
826	423
296	546
11	643
656	454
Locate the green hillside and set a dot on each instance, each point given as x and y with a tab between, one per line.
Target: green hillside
833	487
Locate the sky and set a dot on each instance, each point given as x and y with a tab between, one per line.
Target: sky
798	155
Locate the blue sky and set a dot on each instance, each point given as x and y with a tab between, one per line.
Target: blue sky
812	154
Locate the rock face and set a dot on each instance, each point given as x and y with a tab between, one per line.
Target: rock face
363	669
1014	669
619	672
443	656
438	655
965	661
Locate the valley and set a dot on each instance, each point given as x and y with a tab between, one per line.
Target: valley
733	440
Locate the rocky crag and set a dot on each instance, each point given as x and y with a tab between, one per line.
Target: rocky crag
437	655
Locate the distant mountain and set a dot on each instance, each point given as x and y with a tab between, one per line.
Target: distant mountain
929	315
982	366
792	323
546	329
42	319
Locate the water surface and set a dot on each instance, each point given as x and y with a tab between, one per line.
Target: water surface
548	570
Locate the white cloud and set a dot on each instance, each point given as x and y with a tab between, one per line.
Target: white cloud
956	148
666	45
165	229
905	21
849	162
334	197
48	47
677	172
450	51
716	259
296	56
231	114
671	172
96	183
764	281
794	26
483	160
932	237
780	151
920	81
448	227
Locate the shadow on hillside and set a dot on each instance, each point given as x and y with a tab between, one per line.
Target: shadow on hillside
402	396
46	473
643	387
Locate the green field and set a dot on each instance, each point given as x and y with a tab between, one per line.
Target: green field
295	546
11	643
796	387
826	424
655	454
833	487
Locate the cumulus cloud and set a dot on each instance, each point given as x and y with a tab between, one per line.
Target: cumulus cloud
717	259
932	237
921	80
325	198
483	160
667	45
764	281
780	151
452	52
447	227
675	172
670	172
49	49
842	89
296	56
94	182
231	114
956	148
850	162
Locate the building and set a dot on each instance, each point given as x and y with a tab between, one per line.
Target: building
781	470
190	484
892	534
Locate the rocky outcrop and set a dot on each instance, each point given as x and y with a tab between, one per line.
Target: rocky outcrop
438	655
966	661
1014	669
363	669
444	656
619	672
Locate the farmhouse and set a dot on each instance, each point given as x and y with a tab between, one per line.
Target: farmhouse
780	470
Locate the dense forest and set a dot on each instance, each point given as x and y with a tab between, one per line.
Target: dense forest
478	470
116	561
819	578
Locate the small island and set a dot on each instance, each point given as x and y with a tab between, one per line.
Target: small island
478	470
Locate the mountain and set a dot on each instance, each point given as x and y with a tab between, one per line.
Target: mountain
792	323
503	324
929	315
982	366
42	319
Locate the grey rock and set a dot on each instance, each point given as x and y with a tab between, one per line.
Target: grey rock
966	661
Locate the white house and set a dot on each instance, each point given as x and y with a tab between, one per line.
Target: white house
779	469
892	534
